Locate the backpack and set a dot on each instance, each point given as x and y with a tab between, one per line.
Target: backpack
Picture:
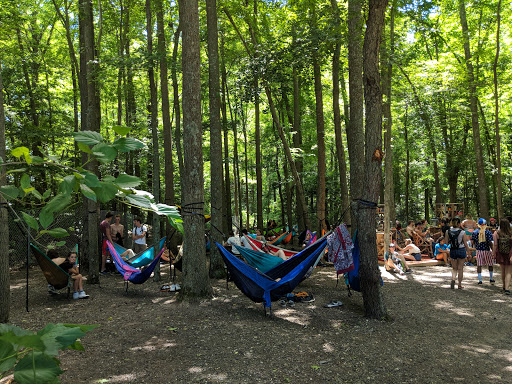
453	237
504	244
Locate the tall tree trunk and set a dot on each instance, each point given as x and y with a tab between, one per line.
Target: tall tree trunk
176	98
155	159
387	71
355	131
366	218
259	176
407	162
216	263
480	166
246	166
89	73
195	272
499	194
228	212
5	296
166	116
340	151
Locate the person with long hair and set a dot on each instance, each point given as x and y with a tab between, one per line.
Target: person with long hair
482	241
502	250
455	236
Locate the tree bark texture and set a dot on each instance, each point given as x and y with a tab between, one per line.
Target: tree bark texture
499	193
369	269
195	272
216	263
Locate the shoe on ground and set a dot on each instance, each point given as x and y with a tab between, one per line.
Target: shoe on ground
308	299
507	292
408	271
491	281
76	295
51	290
165	288
104	272
83	295
480	282
172	288
402	273
178	287
291	303
333	304
282	303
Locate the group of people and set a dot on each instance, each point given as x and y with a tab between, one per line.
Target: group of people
243	241
460	243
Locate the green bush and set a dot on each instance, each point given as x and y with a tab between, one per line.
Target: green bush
34	355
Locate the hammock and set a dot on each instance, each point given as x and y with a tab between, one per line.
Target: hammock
278	239
130	273
277	282
288	238
258	259
142	258
257	245
54	274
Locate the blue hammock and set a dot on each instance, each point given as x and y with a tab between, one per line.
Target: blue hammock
142	258
277	282
352	279
258	259
129	272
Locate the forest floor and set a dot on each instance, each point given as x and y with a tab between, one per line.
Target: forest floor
435	334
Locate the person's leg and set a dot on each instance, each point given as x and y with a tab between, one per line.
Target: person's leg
281	254
508	276
103	256
460	269
404	263
76	284
479	271
491	274
80	282
502	268
454	273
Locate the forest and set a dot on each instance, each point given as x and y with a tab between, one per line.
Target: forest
294	111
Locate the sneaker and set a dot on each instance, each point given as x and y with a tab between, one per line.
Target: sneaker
402	273
51	290
76	295
408	271
491	281
104	272
178	287
83	295
282	303
308	299
291	303
480	282
172	288
507	292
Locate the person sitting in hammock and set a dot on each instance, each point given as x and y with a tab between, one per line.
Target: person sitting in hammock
279	253
54	255
69	265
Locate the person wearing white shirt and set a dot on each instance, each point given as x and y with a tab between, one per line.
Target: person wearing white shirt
139	235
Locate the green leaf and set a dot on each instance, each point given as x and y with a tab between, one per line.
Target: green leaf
45	218
24	341
15	330
25	182
58	203
36	368
36	193
37	160
47	194
31	222
127	144
60	244
105	153
6	350
58	336
87	137
91	180
17	170
105	192
127	181
22	151
121	130
177	224
67	185
9	192
84	148
83	327
77	346
168	210
139	201
56	232
108	179
88	192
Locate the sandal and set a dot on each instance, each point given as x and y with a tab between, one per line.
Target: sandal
460	287
333	304
164	288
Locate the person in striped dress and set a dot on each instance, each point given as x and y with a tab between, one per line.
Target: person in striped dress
482	241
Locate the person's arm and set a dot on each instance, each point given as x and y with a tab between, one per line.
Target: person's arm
134	236
108	233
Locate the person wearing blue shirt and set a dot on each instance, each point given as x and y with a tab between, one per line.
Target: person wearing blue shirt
442	251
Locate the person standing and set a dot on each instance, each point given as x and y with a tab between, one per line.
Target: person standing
117	230
502	248
455	237
482	241
105	235
139	235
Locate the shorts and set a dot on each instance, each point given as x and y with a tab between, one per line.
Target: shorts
459	253
417	256
104	249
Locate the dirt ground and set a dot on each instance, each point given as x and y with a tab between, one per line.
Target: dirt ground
437	335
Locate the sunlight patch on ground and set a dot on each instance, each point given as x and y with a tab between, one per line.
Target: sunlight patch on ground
18	286
475	350
195	369
447	306
153	344
292	315
164	300
126	378
328	348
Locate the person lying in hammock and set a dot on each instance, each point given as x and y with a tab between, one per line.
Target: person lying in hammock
279	253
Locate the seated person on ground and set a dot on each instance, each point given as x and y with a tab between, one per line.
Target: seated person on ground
442	251
393	261
410	251
70	266
233	240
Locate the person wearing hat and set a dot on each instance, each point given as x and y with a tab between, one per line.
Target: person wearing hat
392	258
482	241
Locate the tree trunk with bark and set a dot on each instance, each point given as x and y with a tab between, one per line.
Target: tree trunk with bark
216	263
195	272
499	193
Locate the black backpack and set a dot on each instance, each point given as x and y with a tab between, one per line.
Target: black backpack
453	237
504	245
